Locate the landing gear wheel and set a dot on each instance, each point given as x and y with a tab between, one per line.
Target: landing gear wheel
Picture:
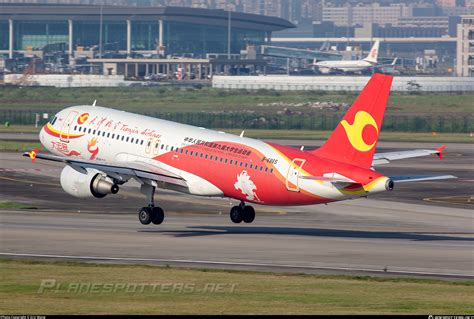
236	214
145	215
158	215
248	214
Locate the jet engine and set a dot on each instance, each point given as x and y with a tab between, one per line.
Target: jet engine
93	183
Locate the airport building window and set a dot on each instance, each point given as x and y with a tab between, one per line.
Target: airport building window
37	34
87	33
4	35
145	35
200	39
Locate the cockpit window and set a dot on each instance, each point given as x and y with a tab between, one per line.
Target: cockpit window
53	120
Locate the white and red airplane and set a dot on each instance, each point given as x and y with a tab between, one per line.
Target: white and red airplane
104	148
351	65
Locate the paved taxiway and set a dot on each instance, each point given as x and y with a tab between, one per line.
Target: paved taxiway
396	232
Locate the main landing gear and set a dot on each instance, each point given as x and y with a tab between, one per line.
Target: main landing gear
150	214
242	213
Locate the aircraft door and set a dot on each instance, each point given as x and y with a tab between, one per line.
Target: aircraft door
66	127
293	175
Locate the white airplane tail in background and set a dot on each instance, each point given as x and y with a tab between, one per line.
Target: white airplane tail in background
373	54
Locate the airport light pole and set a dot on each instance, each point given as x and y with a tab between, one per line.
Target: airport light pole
100	31
228	33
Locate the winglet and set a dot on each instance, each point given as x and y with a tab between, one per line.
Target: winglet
440	151
32	154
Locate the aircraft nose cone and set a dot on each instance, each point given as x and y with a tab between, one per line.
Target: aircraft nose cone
42	135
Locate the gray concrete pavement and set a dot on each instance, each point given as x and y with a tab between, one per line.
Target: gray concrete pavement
400	232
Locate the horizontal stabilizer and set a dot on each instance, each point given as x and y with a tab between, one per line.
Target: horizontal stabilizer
384	158
334	178
403	179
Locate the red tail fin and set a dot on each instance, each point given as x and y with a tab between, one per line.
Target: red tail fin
355	137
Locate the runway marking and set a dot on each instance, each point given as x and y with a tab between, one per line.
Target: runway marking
248	264
26	182
460	199
28	170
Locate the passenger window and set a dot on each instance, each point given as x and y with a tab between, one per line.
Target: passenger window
191	153
271	170
251	165
93	132
108	135
162	146
131	141
123	137
155	150
230	161
89	131
266	169
187	152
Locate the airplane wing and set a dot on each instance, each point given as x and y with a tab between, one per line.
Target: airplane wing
385	158
120	171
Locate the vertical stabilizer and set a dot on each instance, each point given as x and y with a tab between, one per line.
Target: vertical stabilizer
374	53
355	138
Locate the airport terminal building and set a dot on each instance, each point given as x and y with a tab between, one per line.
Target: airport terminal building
166	30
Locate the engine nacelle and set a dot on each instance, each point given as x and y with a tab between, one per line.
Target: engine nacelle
84	185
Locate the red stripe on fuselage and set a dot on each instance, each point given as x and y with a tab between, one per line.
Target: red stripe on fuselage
270	187
51	131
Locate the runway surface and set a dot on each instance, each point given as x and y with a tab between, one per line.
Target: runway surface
420	229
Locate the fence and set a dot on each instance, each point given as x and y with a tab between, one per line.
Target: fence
457	123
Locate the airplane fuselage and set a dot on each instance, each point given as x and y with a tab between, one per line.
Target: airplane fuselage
211	163
345	66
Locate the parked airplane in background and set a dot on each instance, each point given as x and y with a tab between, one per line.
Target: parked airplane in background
350	65
105	148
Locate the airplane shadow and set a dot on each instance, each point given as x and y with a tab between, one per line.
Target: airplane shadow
194	231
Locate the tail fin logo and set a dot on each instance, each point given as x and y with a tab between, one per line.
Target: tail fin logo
373	53
355	131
